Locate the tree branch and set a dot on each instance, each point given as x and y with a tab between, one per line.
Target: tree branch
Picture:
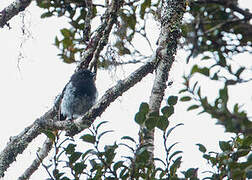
100	38
171	19
43	152
12	10
20	142
104	39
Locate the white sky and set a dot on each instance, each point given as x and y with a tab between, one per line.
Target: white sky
27	93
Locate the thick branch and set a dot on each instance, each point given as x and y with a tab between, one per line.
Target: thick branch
20	142
12	10
43	152
171	18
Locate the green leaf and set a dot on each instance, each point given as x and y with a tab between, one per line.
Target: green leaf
74	157
70	148
215	77
190	173
185	98
101	123
206	58
196	69
144	5
222	60
140	118
150	123
202	148
199	92
110	153
65	32
44	4
79	167
89	151
88	138
239	71
172	100
160	160
50	134
162	123
142	155
247	141
103	133
126	145
170	148
167	111
170	130
206	156
193	107
117	165
242	152
56	41
174	154
225	146
57	174
144	108
182	90
236	108
46	14
175	166
194	86
65	178
132	22
66	43
128	138
154	114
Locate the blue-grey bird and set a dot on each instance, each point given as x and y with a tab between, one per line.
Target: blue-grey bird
79	95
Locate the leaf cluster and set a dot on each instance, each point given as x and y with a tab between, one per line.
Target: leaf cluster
234	160
219	27
154	119
107	163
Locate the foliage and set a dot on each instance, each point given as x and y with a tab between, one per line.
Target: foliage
107	163
232	162
216	27
74	40
153	119
215	31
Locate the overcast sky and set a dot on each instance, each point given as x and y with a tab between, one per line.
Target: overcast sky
30	83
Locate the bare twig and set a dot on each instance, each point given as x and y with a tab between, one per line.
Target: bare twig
43	152
115	6
46	168
100	38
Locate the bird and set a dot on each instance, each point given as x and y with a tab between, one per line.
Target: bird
78	96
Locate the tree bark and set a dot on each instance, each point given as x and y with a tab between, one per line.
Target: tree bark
12	10
171	19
